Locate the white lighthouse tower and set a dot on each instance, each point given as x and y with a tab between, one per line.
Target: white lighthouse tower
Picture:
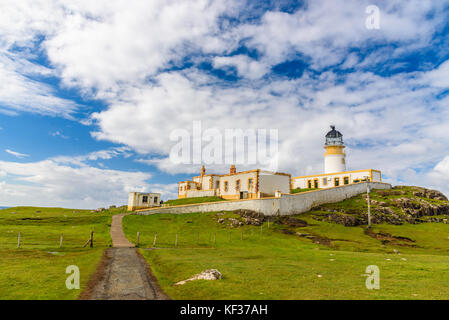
334	157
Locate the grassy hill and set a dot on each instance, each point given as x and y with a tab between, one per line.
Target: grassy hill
321	254
36	270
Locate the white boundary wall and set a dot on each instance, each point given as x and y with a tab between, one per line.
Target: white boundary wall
287	204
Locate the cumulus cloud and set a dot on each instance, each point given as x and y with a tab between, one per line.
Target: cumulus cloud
53	182
132	56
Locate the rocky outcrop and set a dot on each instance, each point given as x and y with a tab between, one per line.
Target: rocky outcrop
251	217
414	205
211	274
418	207
429	194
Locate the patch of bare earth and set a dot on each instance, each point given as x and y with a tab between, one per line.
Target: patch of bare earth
390	239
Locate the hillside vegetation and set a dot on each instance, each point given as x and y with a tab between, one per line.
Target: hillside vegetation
310	256
36	270
177	202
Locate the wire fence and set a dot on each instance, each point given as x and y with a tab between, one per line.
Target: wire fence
195	238
30	240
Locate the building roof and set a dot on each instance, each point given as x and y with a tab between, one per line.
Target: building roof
334	133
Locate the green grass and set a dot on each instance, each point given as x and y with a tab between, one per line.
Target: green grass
177	202
268	264
299	190
36	270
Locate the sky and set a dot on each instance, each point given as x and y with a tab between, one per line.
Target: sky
91	91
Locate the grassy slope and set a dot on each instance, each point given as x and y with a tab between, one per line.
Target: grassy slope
177	202
299	190
37	269
274	265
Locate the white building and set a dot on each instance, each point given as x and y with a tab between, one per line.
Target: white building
139	200
252	184
335	173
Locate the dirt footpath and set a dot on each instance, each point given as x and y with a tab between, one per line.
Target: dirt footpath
123	273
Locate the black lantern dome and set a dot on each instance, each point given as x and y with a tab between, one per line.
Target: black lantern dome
334	138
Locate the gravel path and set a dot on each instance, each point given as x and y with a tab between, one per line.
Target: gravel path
123	273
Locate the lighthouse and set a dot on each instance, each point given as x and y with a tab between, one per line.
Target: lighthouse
334	157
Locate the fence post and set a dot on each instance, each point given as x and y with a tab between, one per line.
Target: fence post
138	236
18	240
91	239
155	239
60	240
176	240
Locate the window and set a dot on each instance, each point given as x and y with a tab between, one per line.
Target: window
237	185
315	183
250	184
145	199
225	186
324	181
345	180
309	184
155	200
217	184
336	182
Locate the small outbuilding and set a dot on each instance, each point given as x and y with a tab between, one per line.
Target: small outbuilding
139	200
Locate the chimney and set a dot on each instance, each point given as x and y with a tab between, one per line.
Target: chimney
203	171
232	170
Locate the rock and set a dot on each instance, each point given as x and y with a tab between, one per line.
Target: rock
211	274
100	209
221	220
251	217
344	219
235	223
429	194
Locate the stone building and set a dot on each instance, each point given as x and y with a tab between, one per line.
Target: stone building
139	200
252	184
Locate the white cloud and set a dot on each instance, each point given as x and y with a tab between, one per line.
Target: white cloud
16	154
53	183
118	50
440	76
19	93
246	66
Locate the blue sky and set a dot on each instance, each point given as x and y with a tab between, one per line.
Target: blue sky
90	92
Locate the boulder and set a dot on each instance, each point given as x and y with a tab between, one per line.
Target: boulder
211	274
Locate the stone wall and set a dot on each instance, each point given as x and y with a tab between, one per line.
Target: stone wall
286	204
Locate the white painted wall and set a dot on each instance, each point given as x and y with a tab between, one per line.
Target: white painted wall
334	163
269	183
243	177
200	193
287	204
302	182
135	200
